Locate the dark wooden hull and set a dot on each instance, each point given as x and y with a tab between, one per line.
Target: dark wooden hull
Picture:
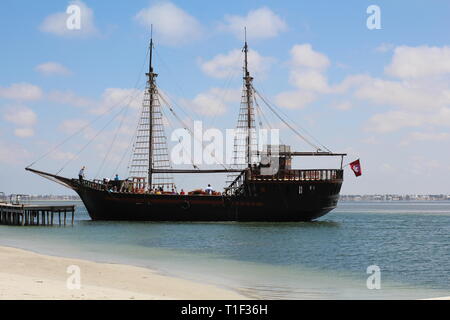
282	203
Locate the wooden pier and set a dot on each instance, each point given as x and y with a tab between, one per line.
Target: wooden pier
34	215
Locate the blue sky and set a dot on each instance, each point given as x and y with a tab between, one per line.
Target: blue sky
380	95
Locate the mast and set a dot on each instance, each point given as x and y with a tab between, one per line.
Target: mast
150	150
151	79
248	87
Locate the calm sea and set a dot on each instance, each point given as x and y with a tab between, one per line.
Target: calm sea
326	259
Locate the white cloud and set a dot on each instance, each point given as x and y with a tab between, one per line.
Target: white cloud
426	137
261	23
21	91
306	74
72	126
417	62
371	140
118	97
350	82
70	98
172	25
303	55
57	23
24	118
213	102
227	95
418	89
294	99
24	132
21	116
309	80
387	168
430	136
111	98
385	47
12	154
61	155
423	166
421	90
208	105
404	94
53	68
224	65
343	106
79	126
395	120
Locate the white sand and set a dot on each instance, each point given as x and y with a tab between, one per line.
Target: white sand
28	275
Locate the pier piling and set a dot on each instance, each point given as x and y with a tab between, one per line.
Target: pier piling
33	215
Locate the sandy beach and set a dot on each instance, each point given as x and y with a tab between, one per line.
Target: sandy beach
27	275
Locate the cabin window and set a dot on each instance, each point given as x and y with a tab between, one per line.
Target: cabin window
300	189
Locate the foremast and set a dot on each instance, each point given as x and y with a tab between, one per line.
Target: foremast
150	150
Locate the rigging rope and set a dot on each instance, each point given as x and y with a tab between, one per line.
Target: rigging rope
107	111
90	141
187	128
263	116
175	81
178	138
289	126
125	110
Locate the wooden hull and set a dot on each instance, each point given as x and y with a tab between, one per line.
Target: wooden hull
285	204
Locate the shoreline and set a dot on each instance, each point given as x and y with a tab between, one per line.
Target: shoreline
26	275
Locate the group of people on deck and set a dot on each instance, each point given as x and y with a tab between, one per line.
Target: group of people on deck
159	190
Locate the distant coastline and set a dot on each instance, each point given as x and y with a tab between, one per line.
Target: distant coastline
343	197
47	197
395	197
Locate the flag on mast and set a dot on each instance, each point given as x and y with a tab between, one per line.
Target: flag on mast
356	167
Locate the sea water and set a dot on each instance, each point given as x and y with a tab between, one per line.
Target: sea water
327	259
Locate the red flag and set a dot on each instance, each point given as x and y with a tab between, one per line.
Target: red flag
356	167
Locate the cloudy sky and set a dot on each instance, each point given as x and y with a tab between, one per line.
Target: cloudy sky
381	95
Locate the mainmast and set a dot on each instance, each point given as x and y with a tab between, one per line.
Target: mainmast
248	87
151	80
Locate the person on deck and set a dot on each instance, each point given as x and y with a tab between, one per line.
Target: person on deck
81	174
209	190
182	192
116	178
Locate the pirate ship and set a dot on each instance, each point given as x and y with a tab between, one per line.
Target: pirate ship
264	188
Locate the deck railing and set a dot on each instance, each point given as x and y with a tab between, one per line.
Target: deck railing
283	176
92	184
301	175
